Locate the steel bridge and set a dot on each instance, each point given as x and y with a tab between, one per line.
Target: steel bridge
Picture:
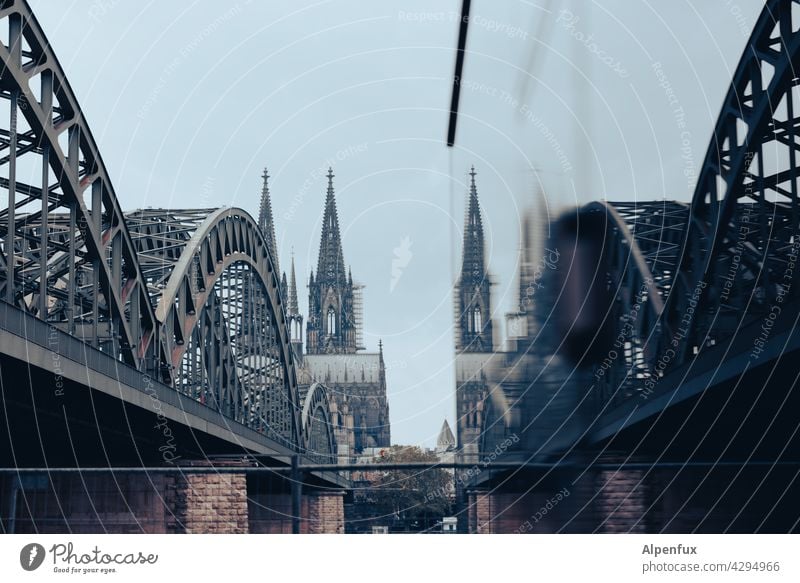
112	321
131	339
722	309
668	332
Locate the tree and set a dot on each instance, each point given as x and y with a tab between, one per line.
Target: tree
416	498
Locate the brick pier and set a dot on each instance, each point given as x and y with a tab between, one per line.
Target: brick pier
135	502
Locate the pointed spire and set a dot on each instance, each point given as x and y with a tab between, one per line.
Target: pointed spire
474	304
330	265
381	364
525	265
292	307
446	439
473	233
266	223
284	285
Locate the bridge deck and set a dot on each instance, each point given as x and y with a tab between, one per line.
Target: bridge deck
51	379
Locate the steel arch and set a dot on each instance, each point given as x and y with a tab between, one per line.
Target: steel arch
50	161
221	319
317	423
640	255
744	213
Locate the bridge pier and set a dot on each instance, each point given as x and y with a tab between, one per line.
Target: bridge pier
163	503
668	498
479	511
208	503
324	512
271	508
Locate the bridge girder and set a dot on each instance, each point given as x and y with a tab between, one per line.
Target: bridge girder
188	297
640	254
317	421
723	261
50	163
220	313
744	219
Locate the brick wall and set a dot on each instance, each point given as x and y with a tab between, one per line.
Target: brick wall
691	499
324	513
621	502
480	511
208	503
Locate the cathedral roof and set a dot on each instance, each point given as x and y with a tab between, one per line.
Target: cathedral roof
363	367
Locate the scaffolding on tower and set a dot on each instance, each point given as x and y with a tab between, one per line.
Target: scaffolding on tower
358	314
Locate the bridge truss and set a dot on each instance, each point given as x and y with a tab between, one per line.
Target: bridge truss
729	258
188	297
669	283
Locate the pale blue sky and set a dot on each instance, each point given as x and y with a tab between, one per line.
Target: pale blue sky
189	101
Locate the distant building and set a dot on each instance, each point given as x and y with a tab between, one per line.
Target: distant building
333	356
357	379
446	444
446	440
449	524
474	343
496	388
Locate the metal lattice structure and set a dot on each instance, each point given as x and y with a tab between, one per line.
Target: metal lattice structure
319	441
189	297
50	164
744	214
640	254
724	261
217	301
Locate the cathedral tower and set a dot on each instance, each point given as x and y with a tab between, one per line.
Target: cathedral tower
474	346
331	327
356	379
474	316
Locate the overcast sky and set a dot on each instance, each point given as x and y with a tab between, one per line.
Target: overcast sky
578	100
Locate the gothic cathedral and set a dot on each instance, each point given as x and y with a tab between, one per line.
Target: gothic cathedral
333	357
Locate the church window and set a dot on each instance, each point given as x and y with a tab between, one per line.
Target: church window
478	320
331	322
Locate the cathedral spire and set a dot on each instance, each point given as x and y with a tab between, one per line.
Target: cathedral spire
292	306
446	440
293	313
381	363
473	232
332	326
474	311
330	265
265	222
